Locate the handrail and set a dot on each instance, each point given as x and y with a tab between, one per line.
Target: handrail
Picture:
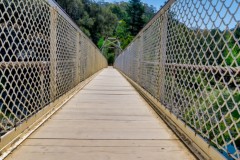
187	58
43	58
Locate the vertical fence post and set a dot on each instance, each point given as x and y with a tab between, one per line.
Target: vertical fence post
138	59
140	49
77	76
162	60
53	54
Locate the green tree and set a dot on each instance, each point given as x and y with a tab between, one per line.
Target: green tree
123	34
135	12
74	8
100	19
120	10
100	42
105	22
86	23
149	12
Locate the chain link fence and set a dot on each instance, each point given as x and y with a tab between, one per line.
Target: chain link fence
43	55
188	57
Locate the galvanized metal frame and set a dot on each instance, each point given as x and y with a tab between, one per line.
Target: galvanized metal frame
195	143
191	67
15	137
40	62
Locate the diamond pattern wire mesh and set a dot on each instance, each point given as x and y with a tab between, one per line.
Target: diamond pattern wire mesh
188	58
66	55
42	57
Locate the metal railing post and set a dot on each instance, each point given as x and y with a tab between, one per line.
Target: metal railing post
162	59
195	74
78	56
53	53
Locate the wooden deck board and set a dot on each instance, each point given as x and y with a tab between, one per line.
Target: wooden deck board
107	120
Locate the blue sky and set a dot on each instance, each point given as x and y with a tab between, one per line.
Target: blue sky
155	3
206	14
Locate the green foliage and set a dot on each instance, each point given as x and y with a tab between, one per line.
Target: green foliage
120	10
123	34
149	12
100	19
210	99
86	23
135	11
111	58
100	42
74	8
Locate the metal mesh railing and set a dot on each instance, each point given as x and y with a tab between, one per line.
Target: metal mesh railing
43	55
188	57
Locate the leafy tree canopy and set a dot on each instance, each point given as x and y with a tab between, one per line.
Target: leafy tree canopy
100	19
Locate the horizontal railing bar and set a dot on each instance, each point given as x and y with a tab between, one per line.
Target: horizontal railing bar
207	67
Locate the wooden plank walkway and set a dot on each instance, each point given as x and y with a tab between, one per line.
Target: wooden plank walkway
107	120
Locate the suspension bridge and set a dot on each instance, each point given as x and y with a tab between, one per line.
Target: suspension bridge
173	93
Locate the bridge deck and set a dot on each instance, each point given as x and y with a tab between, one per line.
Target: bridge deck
108	119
